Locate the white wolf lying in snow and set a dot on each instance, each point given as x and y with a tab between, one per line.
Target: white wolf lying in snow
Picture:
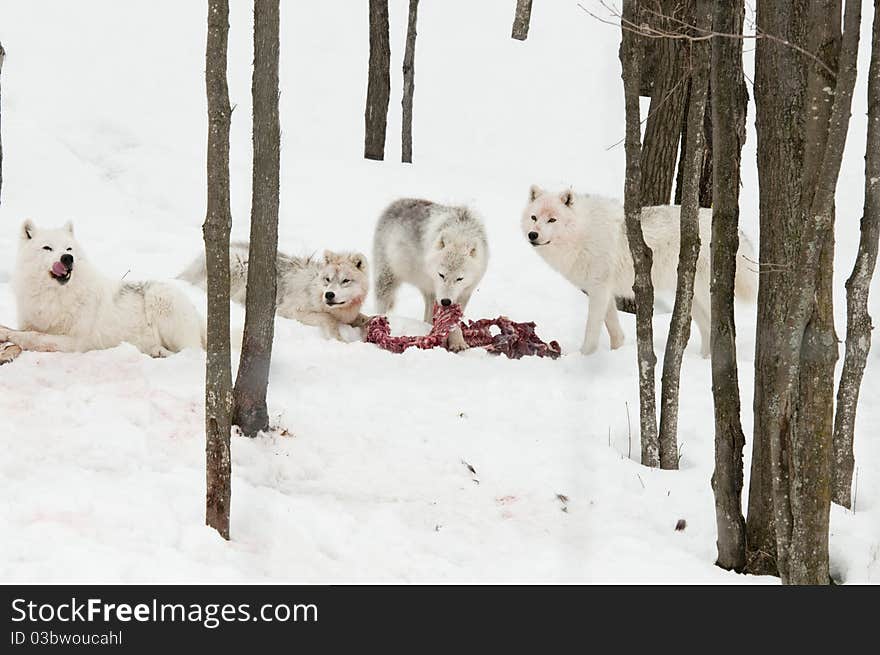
326	293
64	304
442	251
584	238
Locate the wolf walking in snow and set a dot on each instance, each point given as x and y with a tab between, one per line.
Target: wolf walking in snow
441	250
65	304
583	237
324	293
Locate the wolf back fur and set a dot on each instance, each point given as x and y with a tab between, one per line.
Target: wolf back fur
65	304
583	237
325	293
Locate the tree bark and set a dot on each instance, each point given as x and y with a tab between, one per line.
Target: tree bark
705	184
669	84
409	81
680	324
218	223
727	478
521	20
799	346
2	57
251	413
643	287
378	82
858	320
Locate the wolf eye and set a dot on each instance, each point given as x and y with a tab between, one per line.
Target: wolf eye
346	281
49	248
459	279
327	280
551	220
534	218
442	277
69	249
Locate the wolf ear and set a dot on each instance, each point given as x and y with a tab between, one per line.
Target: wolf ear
567	197
358	260
441	244
535	191
27	229
329	256
473	251
68	226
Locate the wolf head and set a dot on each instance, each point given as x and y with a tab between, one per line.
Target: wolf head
48	258
344	279
456	262
549	217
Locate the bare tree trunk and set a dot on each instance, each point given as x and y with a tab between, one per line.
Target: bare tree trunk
858	321
705	185
409	81
521	20
218	223
798	392
250	413
378	82
727	478
2	57
643	287
680	325
670	80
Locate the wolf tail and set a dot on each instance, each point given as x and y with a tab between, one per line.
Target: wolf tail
746	281
196	272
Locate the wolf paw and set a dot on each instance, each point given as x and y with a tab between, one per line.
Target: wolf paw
617	342
8	352
455	341
589	348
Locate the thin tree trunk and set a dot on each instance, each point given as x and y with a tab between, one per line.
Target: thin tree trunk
521	20
670	80
858	321
680	325
643	287
218	223
727	478
2	57
251	413
378	82
705	185
409	81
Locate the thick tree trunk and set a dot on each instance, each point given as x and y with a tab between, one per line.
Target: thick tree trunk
521	20
409	81
796	391
2	57
218	223
680	325
727	478
858	321
705	185
378	82
251	414
643	287
670	80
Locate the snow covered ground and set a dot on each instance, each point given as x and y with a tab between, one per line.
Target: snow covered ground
367	478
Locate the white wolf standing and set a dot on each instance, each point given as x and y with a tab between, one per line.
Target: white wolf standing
441	250
326	293
65	304
584	238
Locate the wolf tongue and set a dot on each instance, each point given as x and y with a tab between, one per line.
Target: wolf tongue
59	269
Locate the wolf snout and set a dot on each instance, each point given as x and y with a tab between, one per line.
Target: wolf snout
446	302
533	236
329	295
67	260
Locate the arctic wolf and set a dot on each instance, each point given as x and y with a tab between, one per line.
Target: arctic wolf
325	293
65	304
441	250
584	238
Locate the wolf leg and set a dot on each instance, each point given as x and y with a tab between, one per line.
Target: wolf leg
612	324
455	340
598	309
328	324
386	288
700	311
430	299
38	341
